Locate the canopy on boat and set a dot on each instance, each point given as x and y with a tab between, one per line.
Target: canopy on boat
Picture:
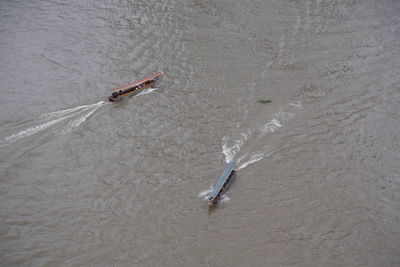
139	82
221	180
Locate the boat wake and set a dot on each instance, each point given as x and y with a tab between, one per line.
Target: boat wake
231	148
148	91
72	116
207	193
254	157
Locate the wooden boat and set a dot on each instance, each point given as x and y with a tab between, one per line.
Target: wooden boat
135	87
221	184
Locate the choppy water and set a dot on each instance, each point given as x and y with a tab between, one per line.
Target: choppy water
85	182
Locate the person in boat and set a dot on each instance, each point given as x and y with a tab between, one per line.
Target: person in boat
114	94
120	92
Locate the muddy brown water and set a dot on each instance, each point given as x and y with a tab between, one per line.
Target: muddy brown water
88	183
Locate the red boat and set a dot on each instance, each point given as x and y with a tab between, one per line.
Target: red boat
135	87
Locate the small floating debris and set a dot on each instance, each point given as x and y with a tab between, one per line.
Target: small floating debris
264	101
221	184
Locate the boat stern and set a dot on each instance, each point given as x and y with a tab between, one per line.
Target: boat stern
114	97
212	203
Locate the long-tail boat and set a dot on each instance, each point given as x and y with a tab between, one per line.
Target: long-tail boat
222	184
135	87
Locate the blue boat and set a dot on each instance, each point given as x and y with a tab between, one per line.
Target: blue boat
221	184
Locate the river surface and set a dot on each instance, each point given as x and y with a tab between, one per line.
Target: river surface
85	182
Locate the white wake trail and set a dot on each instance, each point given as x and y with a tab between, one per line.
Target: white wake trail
148	91
271	126
256	156
78	121
206	194
50	119
231	148
61	113
33	130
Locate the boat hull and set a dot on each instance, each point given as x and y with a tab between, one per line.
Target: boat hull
134	88
222	184
134	92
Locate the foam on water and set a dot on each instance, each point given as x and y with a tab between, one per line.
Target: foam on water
231	148
224	199
254	157
206	194
148	91
48	120
33	130
271	126
61	113
295	104
81	119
